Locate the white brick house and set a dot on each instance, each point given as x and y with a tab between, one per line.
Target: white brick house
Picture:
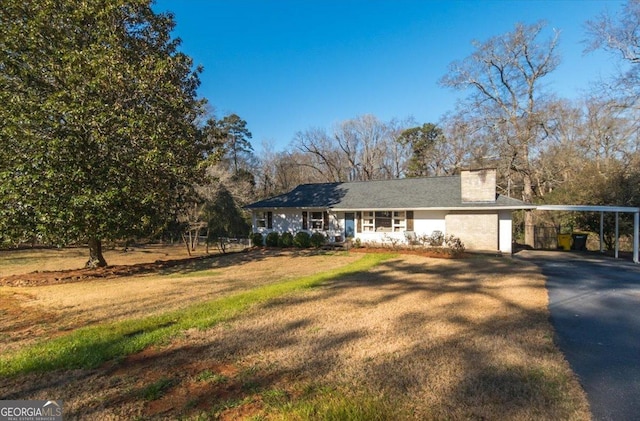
464	205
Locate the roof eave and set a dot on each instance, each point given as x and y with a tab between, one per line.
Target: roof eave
442	208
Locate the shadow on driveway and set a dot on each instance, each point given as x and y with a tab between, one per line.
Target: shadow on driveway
595	309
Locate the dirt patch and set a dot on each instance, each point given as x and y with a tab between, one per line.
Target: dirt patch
37	278
20	323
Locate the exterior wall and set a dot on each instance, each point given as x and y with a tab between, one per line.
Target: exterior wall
424	223
282	222
478	231
505	228
478	185
291	221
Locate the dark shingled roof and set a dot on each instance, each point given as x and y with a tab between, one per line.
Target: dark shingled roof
405	193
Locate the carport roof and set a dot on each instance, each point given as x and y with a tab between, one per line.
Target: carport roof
602	209
588	208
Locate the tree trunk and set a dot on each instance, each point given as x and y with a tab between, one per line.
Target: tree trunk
96	259
529	222
186	243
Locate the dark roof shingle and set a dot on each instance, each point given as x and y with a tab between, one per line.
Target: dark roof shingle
405	193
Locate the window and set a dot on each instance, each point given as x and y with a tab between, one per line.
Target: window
399	221
385	221
318	221
368	222
264	220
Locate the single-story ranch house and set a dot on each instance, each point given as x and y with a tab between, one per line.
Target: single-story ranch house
466	206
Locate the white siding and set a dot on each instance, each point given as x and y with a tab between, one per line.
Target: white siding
425	222
283	222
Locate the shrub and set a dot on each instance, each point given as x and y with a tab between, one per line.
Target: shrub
256	239
272	239
317	240
302	240
411	238
454	244
436	239
286	240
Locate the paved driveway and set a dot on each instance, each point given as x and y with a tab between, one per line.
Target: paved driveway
595	309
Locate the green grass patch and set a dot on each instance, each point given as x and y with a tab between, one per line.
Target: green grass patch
333	404
91	346
208	376
195	274
156	390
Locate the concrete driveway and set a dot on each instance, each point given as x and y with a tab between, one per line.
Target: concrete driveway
595	310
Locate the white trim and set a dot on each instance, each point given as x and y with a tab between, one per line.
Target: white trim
588	208
465	208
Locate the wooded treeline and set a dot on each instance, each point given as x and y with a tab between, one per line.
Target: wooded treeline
547	149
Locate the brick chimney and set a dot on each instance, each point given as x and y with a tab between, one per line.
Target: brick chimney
478	185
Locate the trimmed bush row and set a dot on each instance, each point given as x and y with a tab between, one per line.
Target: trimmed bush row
300	240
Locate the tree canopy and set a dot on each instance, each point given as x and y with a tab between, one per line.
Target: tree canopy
422	140
234	135
98	129
504	76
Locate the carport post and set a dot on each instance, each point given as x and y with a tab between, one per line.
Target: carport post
636	238
617	239
601	232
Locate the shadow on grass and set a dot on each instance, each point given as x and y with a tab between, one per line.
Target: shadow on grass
235	258
410	331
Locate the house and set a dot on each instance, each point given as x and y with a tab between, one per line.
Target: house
466	206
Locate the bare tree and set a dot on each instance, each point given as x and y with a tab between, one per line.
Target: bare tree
609	131
504	75
465	144
362	148
324	159
364	142
397	156
620	35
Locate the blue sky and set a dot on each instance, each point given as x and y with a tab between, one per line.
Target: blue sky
290	65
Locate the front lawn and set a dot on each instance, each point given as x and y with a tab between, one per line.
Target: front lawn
405	337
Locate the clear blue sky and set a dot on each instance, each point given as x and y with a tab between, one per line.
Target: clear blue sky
290	65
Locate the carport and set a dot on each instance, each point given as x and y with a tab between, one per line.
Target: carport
602	209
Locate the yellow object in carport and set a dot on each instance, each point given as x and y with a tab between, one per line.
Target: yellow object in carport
564	241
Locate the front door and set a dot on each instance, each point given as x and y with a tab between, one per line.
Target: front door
349	224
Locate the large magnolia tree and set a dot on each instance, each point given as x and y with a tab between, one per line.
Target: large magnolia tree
96	123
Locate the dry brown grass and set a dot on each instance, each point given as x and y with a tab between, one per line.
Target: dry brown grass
13	262
438	339
29	314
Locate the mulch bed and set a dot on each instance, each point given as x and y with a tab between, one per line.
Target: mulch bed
437	253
